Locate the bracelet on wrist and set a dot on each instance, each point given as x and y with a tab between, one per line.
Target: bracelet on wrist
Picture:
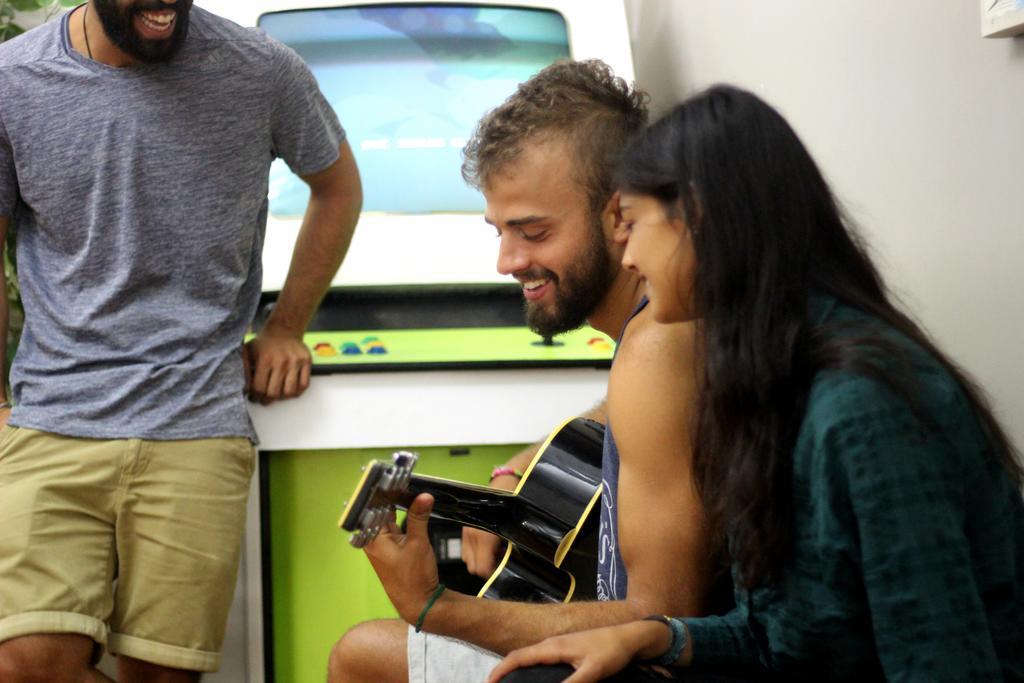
430	603
676	645
501	470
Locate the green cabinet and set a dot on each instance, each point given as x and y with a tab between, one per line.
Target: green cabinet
319	585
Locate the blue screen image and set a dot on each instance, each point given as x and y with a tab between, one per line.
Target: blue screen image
409	83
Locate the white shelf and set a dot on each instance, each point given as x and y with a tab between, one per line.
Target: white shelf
1001	23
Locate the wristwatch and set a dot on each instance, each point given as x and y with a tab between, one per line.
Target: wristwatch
676	645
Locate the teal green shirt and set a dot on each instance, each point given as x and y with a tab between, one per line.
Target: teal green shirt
909	548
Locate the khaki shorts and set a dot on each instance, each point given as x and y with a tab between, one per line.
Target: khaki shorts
133	543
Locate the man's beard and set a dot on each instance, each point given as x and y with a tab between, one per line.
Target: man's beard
118	23
577	293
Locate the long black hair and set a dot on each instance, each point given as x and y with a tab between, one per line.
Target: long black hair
767	231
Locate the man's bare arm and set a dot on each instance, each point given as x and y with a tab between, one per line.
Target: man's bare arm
662	535
660	524
407	569
279	362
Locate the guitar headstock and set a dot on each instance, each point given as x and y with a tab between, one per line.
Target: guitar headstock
373	501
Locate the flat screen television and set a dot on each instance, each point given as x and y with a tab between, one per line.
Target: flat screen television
409	81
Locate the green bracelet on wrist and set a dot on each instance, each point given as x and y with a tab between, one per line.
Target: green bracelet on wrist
430	603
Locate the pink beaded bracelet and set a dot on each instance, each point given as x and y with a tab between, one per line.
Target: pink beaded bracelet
502	469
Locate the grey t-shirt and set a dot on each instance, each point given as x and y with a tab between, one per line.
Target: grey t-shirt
140	200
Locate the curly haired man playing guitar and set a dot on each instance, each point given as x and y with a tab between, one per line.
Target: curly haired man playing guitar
544	160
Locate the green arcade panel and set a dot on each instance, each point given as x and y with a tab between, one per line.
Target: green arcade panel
320	585
490	346
377	329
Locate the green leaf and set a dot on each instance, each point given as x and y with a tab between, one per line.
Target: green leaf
69	3
9	31
28	5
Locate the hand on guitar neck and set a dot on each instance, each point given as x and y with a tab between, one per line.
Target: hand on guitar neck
405	562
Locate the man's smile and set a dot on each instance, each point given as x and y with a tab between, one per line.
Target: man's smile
155	25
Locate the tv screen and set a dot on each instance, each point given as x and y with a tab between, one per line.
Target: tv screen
409	83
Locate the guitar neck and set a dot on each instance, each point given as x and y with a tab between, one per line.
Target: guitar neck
482	507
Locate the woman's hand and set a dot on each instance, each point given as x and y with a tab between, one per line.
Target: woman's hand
595	654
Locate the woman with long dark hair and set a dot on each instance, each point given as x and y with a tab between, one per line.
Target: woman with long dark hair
868	499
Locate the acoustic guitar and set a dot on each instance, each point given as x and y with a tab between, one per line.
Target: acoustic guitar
551	520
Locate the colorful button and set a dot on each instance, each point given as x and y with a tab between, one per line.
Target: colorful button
350	349
324	349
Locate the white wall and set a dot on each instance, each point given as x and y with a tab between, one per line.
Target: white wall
918	123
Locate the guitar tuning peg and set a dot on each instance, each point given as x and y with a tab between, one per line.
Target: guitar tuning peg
378	518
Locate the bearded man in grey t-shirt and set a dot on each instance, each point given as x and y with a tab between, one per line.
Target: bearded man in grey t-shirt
136	138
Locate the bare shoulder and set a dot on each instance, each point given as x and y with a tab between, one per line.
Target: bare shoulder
654	373
646	343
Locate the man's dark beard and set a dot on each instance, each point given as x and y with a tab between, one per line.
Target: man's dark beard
118	23
577	293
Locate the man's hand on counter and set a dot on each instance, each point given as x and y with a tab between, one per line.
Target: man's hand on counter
277	366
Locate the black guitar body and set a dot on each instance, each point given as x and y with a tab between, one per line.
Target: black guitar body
559	524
